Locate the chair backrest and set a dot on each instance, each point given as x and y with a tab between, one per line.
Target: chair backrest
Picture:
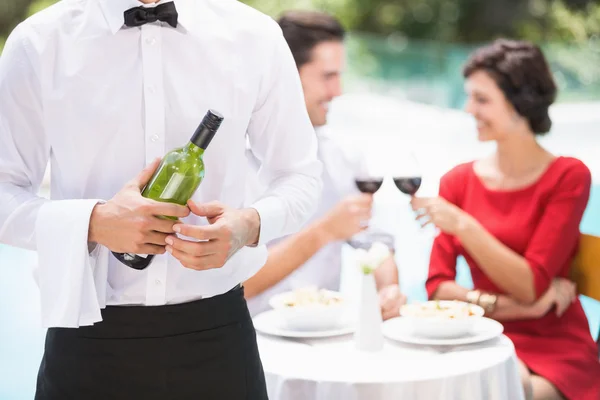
586	267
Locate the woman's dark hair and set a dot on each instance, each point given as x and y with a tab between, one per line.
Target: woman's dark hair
523	74
304	30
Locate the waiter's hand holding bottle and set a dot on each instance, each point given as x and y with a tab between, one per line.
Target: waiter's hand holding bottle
230	230
129	223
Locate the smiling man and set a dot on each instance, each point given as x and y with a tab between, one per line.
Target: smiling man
312	257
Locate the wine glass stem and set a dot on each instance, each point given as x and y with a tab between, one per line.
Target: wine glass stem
373	213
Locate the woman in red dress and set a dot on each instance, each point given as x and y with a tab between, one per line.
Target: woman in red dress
515	218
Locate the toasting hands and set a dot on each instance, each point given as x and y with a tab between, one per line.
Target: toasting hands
347	218
440	212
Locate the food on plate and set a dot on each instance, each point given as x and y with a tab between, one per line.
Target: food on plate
443	318
311	296
309	308
443	309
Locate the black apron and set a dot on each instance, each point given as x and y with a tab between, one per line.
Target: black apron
204	349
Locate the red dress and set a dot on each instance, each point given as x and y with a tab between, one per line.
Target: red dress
541	223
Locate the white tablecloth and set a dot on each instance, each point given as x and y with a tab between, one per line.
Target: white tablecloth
331	369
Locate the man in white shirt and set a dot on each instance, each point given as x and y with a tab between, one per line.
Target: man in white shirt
312	257
100	89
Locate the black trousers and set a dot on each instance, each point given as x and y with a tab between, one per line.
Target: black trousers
200	350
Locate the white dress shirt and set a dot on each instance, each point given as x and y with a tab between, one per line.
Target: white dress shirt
99	101
341	162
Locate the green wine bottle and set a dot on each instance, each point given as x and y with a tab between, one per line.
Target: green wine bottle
177	178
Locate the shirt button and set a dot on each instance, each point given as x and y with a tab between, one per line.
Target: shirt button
151	41
158	282
151	89
154	138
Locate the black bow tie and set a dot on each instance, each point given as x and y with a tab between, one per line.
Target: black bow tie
139	16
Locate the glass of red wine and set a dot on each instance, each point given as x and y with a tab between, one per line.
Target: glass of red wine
407	176
369	184
369	178
369	174
408	185
407	173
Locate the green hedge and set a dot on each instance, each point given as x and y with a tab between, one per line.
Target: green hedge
415	48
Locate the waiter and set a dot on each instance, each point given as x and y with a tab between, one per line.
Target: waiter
100	89
312	257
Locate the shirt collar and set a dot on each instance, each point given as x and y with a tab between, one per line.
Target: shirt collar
113	11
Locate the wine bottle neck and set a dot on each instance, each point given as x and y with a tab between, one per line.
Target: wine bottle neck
194	149
203	136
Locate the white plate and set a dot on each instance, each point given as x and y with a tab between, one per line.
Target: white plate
269	323
484	329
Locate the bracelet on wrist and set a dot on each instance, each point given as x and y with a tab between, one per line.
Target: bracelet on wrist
473	296
488	302
484	300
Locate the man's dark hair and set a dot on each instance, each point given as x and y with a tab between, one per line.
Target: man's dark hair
304	30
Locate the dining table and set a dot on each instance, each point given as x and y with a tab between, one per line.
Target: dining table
333	367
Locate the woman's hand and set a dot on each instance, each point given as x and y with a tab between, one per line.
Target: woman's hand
561	294
438	211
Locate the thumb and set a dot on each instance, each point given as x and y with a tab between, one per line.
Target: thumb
146	174
209	210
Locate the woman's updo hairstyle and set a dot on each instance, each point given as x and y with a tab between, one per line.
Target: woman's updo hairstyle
521	71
